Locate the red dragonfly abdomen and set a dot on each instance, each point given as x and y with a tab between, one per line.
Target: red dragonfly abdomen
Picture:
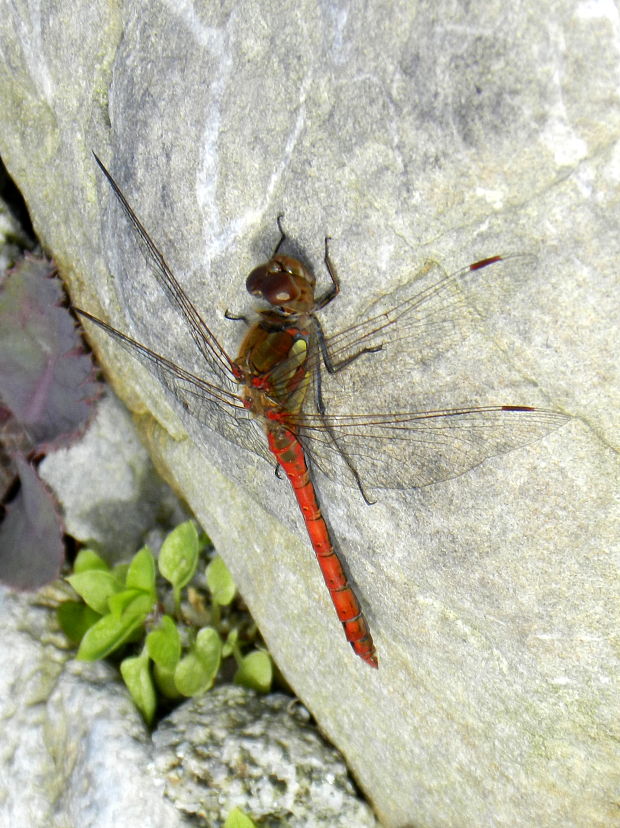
290	455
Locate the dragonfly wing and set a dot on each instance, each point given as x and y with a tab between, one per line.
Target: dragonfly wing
196	400
434	311
216	359
414	449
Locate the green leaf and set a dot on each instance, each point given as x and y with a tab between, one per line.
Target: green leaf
141	572
237	819
255	672
178	556
164	679
230	643
120	571
197	671
106	636
190	676
137	676
220	582
164	644
95	586
209	646
131	602
75	618
88	559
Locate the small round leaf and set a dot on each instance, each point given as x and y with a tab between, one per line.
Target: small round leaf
220	582
196	672
75	618
230	643
131	602
237	819
137	677
164	680
88	559
141	572
191	677
164	644
255	672
95	586
178	556
106	636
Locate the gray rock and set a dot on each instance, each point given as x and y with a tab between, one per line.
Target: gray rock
109	490
231	748
11	237
407	132
74	750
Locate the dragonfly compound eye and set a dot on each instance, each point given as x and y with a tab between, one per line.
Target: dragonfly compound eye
297	270
284	282
274	286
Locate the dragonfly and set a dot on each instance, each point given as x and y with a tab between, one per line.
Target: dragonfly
273	400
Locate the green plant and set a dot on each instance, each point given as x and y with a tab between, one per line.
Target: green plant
237	819
180	638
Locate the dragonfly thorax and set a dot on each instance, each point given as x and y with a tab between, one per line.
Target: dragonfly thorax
285	283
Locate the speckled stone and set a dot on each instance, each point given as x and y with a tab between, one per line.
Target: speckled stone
232	747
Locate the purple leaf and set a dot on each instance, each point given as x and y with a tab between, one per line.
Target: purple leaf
45	379
31	547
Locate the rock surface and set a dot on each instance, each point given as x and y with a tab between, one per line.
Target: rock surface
74	750
109	490
232	748
408	132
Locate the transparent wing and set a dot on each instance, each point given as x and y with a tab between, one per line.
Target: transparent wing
195	398
417	448
427	316
422	320
215	359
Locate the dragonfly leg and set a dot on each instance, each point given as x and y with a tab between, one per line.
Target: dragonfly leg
321	302
347	460
229	315
332	366
320	407
356	477
358	480
318	389
282	235
334	290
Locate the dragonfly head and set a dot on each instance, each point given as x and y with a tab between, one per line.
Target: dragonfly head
283	282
